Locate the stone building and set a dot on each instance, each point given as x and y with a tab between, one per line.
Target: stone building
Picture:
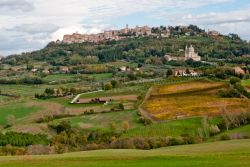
107	35
213	33
191	54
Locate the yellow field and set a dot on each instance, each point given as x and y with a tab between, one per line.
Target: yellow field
189	99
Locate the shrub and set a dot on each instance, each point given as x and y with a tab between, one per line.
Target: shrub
114	83
60	148
108	86
229	93
19	151
125	126
164	142
40	150
92	146
145	121
122	144
225	137
241	90
139	97
234	80
176	141
154	143
141	143
191	139
121	106
62	126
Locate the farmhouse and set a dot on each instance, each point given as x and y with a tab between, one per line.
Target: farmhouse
34	70
64	69
46	71
213	33
238	71
124	69
186	73
170	58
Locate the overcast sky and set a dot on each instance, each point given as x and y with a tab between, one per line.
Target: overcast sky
27	25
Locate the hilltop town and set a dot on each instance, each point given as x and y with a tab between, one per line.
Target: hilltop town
110	35
144	31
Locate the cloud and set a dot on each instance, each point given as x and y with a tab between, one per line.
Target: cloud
22	5
30	24
35	28
239	16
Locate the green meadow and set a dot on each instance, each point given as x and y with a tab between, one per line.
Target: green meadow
218	154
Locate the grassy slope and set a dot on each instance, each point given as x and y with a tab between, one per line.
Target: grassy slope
19	110
103	120
170	128
63	77
225	154
243	130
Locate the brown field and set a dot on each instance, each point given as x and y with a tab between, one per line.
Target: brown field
196	98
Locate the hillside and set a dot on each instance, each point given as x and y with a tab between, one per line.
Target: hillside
140	49
225	154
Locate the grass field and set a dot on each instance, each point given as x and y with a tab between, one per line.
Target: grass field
218	154
19	110
102	121
73	77
23	90
192	98
243	131
118	91
165	129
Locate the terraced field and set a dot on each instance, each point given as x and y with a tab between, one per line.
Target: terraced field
195	98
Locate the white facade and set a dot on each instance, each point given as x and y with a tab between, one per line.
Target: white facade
191	54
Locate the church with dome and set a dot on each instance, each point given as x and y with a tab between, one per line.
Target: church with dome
191	54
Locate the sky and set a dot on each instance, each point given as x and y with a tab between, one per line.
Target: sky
27	25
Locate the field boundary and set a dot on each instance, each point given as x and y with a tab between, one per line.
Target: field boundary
142	111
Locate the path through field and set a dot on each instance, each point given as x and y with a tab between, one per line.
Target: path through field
77	96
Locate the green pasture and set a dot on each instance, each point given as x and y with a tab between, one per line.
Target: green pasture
19	110
217	154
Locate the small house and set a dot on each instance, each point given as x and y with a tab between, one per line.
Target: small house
238	71
46	71
34	70
64	69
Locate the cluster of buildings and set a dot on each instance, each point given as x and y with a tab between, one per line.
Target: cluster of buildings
189	54
107	35
186	73
213	33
